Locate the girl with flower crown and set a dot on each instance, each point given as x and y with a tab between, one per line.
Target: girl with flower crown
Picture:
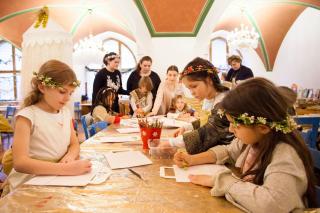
201	78
273	167
45	142
109	77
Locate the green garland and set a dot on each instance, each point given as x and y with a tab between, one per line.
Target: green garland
47	81
43	16
285	126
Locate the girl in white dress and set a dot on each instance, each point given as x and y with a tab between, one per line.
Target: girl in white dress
45	142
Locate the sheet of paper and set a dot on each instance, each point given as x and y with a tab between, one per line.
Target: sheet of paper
132	122
126	159
206	169
172	123
128	130
115	139
99	173
79	180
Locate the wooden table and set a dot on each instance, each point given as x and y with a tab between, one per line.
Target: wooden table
122	192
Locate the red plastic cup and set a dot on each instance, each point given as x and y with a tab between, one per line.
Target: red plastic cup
148	135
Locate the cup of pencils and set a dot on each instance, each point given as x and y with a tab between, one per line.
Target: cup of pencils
150	132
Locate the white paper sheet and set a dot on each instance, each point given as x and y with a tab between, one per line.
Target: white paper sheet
172	123
98	174
132	122
115	139
206	169
80	180
126	159
128	130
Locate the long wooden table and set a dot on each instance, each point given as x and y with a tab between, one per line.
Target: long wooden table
122	192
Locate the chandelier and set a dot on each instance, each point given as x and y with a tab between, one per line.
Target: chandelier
243	38
88	43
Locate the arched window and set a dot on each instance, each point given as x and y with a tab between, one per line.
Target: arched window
10	66
219	53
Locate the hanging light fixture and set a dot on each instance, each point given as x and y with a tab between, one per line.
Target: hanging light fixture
88	42
243	37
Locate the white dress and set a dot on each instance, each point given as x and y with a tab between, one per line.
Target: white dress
49	139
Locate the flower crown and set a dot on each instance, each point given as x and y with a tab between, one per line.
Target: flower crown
198	68
47	81
112	56
286	126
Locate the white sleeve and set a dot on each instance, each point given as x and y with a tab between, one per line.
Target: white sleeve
149	103
177	142
172	115
159	98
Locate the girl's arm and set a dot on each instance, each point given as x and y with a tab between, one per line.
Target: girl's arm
133	103
284	185
23	163
74	147
149	103
158	101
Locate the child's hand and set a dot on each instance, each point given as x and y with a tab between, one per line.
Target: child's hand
150	114
78	167
182	159
140	111
178	132
68	158
203	180
184	115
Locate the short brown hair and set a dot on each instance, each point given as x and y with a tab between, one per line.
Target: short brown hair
146	81
235	58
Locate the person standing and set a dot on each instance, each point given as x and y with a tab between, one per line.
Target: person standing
109	77
144	69
238	72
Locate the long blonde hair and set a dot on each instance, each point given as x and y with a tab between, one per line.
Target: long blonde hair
58	71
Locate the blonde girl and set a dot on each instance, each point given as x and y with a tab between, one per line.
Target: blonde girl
179	109
45	142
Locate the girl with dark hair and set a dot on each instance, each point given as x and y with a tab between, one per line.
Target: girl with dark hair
109	77
102	108
275	168
201	78
144	69
167	90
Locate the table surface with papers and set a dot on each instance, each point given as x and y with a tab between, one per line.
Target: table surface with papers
122	192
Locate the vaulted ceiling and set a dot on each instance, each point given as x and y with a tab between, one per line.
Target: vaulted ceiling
167	18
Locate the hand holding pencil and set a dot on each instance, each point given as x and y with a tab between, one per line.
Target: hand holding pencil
182	159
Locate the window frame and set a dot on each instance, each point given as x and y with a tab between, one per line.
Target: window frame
14	71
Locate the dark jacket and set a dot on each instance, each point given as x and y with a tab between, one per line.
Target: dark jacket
241	74
214	132
105	78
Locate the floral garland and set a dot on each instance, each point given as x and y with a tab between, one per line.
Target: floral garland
43	17
113	56
47	81
198	68
286	126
